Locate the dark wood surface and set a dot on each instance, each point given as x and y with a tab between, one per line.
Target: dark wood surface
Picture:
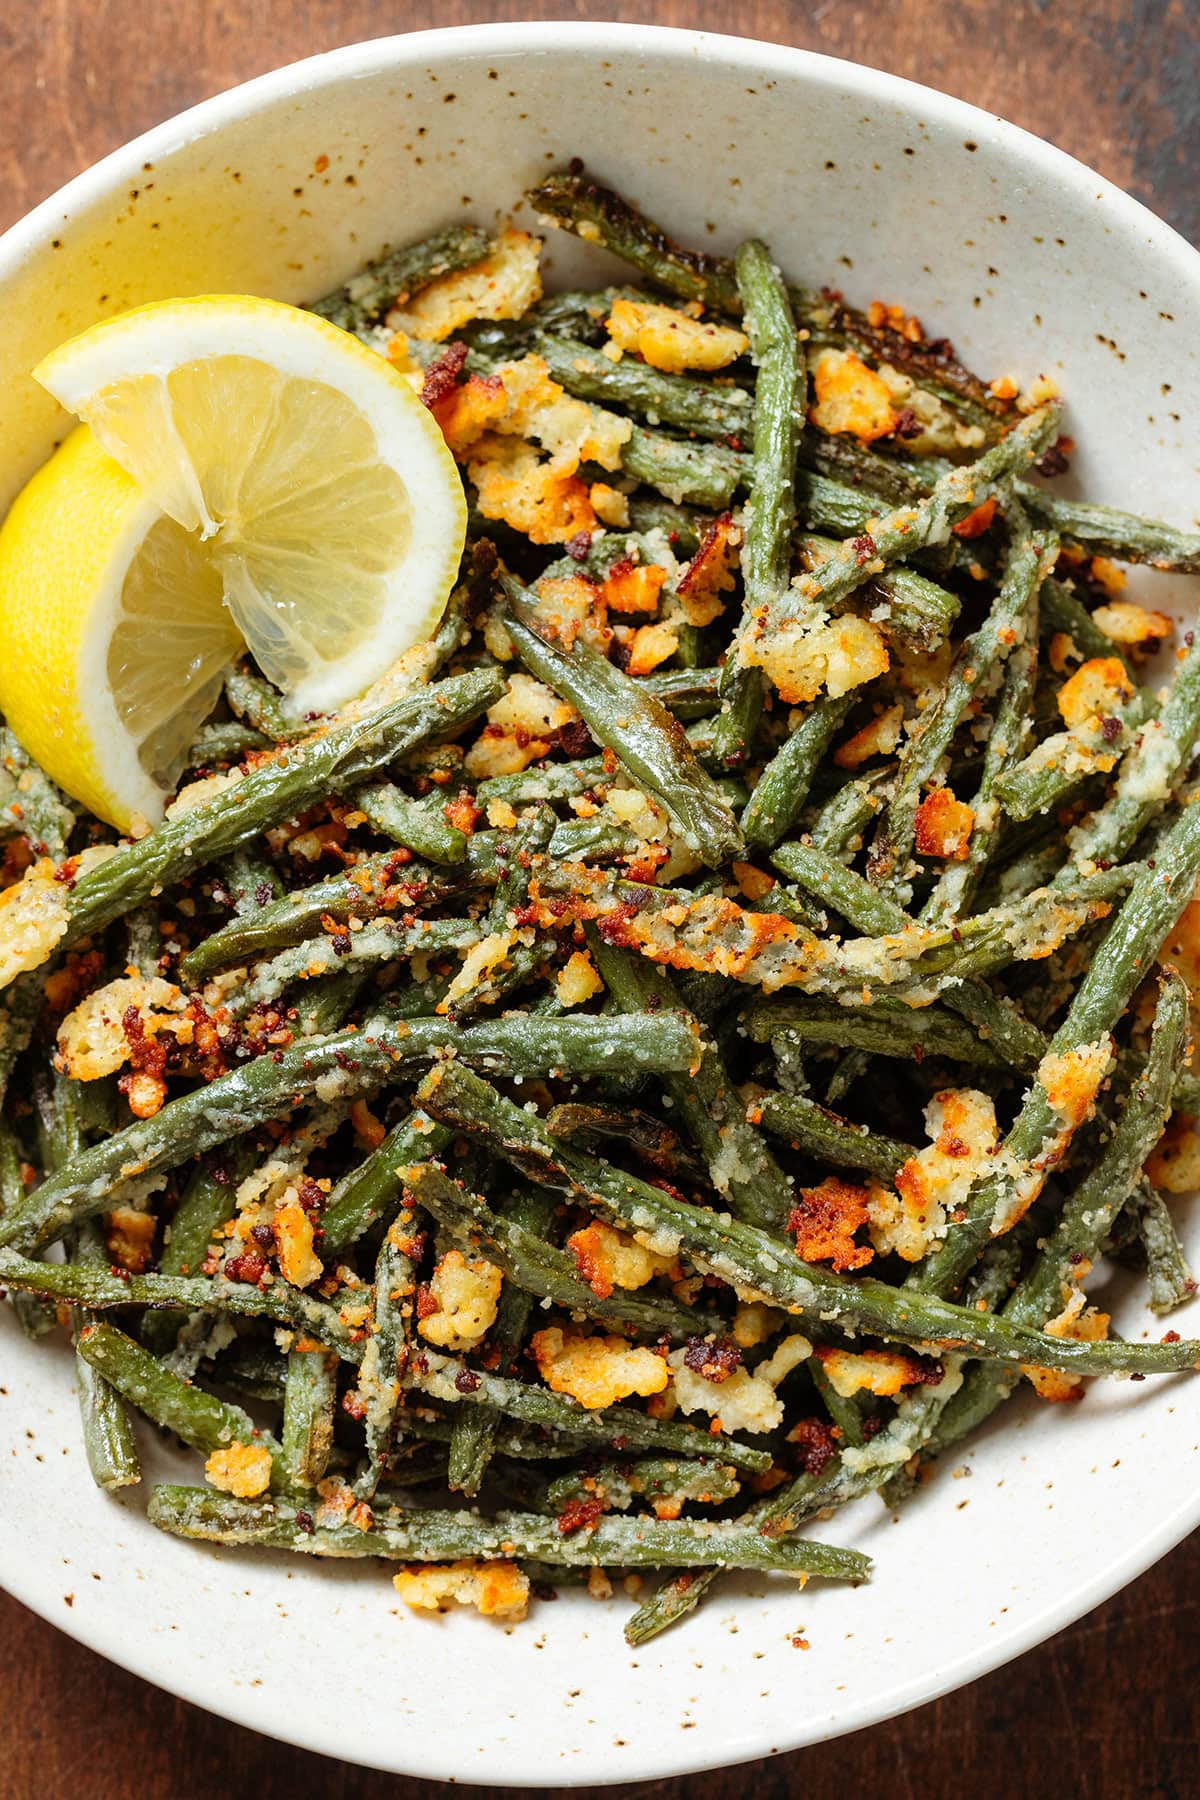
1108	1709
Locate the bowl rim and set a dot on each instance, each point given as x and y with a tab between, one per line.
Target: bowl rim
661	43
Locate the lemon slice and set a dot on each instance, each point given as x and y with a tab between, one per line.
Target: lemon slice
320	486
113	634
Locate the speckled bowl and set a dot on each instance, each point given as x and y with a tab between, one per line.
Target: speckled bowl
1030	262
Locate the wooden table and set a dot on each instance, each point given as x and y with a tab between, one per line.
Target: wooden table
1109	1708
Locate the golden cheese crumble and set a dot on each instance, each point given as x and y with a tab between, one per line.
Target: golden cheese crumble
594	1369
460	1307
243	1470
498	1590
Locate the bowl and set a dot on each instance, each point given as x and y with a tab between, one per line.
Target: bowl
1031	263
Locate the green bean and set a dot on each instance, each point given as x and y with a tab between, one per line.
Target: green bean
35	1317
687	473
343	756
1061	610
514	866
88	1285
207	1203
779	393
1002	1023
592	841
441	1536
841	824
219	745
259	704
420	825
250	1367
702	407
847	892
546	781
450	1380
740	1165
251	880
399	274
381	883
689	693
19	1009
864	468
917	961
537	1266
825	1135
477	1429
33	805
824	505
909	528
888	1027
327	1004
1062	762
201	1420
804	1496
748	1258
1161	890
958	885
1010	620
1104	531
1089	1210
352	1062
386	1357
1151	767
577	203
1172	1283
845	1415
619	1484
649	743
683	526
917	608
108	1439
1094	1203
513	1440
386	941
373	1190
782	789
309	1397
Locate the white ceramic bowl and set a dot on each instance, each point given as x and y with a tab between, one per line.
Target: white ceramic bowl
1029	262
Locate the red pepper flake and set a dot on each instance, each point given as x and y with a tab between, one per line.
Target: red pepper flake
574	739
426	1304
613	925
250	1267
466	1381
443	374
907	424
1055	460
354	1404
716	1359
864	548
580	1515
816	1444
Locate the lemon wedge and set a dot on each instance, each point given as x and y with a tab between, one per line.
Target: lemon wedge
113	634
276	485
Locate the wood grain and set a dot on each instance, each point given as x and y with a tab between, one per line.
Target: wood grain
1107	1710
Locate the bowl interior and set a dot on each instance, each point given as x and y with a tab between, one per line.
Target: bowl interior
1031	264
